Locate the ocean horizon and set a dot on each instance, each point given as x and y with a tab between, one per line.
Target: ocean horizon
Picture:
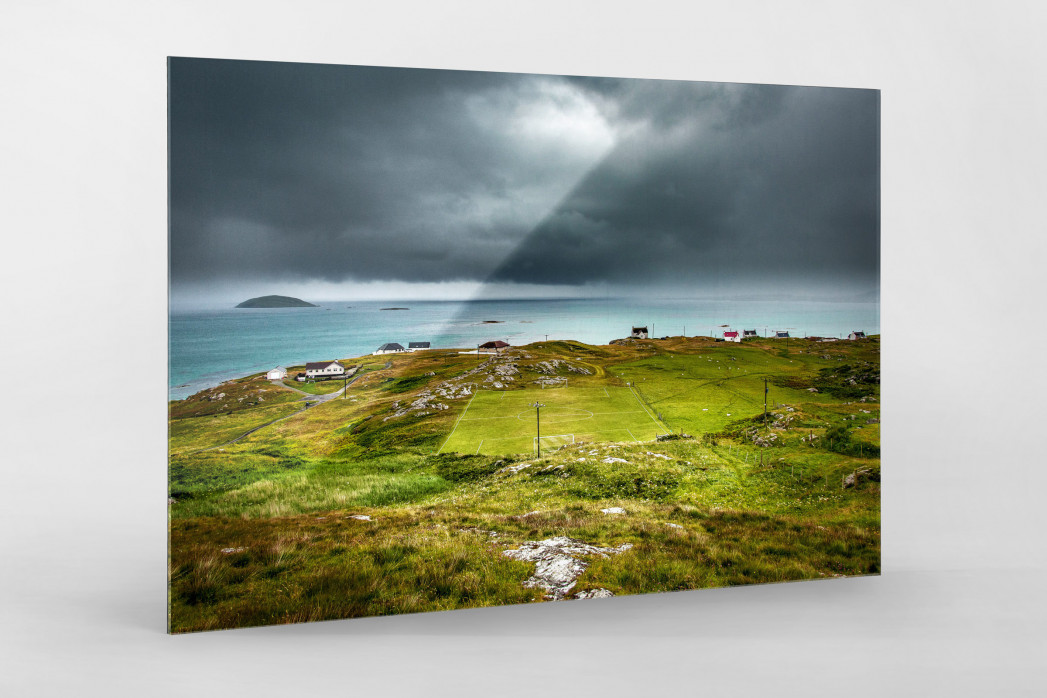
209	346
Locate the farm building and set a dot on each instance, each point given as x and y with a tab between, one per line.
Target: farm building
417	346
731	336
781	334
749	334
494	346
639	333
856	335
275	374
390	348
323	369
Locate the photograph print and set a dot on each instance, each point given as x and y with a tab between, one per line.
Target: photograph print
446	339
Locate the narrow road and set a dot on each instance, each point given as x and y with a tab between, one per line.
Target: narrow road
309	400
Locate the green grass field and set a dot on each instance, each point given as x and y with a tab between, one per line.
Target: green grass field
703	392
357	507
502	422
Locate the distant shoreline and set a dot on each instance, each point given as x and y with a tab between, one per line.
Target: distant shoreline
460	350
218	344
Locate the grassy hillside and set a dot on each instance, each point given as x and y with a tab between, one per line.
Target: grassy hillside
382	502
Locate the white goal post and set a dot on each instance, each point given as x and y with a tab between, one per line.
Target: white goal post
553	442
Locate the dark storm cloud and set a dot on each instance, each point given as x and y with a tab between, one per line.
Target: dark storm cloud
367	173
717	183
308	172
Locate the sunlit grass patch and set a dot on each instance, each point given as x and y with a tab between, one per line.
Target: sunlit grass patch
194	433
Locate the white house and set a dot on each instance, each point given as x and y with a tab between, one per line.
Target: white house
390	348
856	335
781	334
749	334
731	336
417	346
276	374
323	369
639	333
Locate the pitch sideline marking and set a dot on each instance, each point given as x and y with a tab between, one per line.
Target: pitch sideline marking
458	422
576	434
647	410
517	416
479	447
633	435
577	410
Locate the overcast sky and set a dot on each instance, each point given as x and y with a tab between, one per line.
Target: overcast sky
341	182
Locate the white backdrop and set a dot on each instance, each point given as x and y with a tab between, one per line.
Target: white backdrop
959	607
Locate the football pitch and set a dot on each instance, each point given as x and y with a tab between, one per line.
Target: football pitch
502	422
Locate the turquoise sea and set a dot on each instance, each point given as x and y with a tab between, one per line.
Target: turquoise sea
209	346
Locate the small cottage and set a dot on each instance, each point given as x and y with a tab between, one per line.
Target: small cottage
390	348
276	374
749	334
417	346
731	336
323	369
639	333
494	346
781	334
856	335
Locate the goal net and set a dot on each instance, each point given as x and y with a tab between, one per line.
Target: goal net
552	383
551	443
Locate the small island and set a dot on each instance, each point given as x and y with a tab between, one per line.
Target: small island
394	308
275	302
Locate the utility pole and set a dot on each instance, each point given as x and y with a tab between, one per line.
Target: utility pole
765	402
538	426
345	383
547	338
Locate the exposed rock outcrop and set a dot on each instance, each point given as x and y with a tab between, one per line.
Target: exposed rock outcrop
556	566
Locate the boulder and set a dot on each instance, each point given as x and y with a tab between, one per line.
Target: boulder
594	594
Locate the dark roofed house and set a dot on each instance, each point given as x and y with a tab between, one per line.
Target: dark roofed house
417	346
781	334
323	369
390	348
495	345
746	334
856	335
639	333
